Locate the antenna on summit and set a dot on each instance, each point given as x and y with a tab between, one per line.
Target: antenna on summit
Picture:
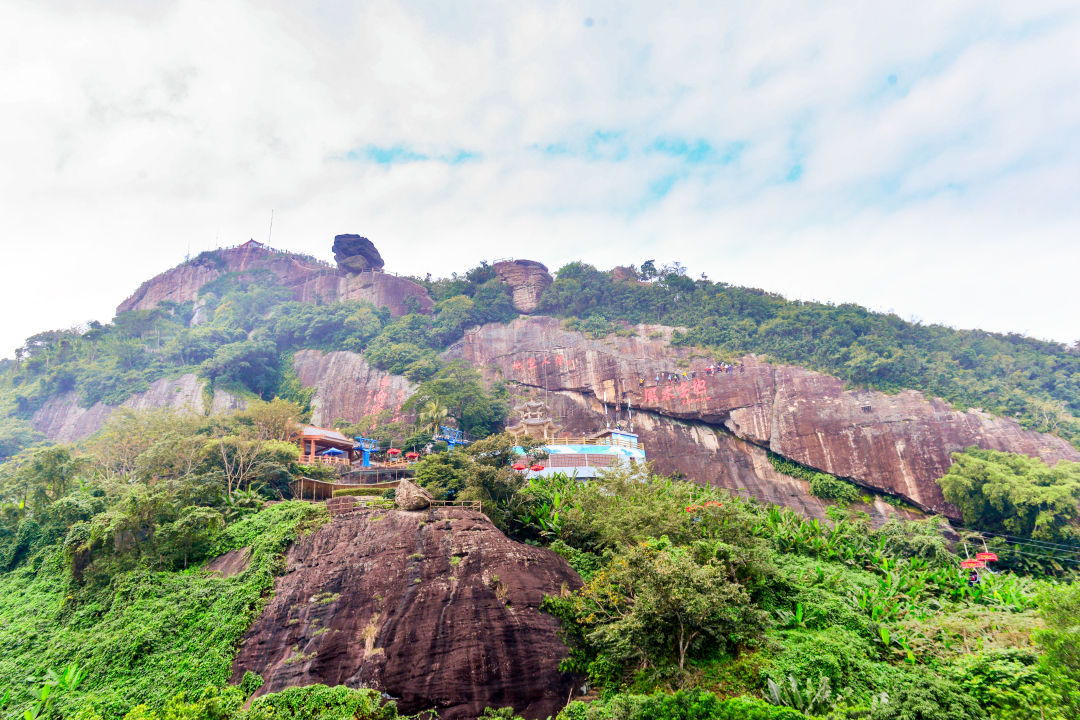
271	227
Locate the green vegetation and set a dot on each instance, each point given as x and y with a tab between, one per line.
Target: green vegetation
1035	381
1015	494
692	596
822	485
248	329
683	705
695	604
360	492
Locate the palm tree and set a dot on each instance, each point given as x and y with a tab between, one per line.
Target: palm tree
432	416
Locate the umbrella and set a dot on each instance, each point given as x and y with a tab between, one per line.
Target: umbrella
332	451
411	455
537	467
519	467
393	451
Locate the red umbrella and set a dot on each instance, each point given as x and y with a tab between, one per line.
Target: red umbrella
412	455
393	451
537	468
519	467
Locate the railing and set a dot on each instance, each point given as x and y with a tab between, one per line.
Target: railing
596	441
582	460
467	504
323	460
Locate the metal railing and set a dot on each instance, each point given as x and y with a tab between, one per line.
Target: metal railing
467	504
597	441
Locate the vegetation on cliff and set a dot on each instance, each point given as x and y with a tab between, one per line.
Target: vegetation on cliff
1036	381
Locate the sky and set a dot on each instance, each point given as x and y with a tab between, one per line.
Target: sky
919	157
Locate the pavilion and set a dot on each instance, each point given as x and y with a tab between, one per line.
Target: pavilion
319	445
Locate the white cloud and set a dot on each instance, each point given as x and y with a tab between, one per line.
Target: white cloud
134	132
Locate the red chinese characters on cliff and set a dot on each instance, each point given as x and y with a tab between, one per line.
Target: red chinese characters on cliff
532	363
682	393
379	401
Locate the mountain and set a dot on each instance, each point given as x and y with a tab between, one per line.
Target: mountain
246	321
800	546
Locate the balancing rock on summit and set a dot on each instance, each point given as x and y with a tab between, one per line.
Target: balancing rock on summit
527	279
354	253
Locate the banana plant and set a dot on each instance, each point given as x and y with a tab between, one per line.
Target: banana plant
810	701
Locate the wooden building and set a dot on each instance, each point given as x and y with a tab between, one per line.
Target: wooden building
319	445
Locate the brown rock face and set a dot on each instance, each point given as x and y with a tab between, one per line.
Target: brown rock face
309	281
348	388
528	280
438	609
898	444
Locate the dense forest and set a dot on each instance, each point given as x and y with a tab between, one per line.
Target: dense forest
696	605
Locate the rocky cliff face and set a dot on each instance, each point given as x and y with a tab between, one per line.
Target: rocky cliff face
898	444
438	609
62	420
309	281
347	387
527	279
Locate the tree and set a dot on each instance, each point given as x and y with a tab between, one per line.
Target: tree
253	364
1014	494
239	455
445	474
47	476
461	390
274	420
432	416
655	605
192	532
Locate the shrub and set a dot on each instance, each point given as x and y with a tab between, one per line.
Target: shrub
319	702
841	656
683	705
925	696
359	492
822	485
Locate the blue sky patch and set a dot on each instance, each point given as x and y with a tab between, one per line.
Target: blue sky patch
400	155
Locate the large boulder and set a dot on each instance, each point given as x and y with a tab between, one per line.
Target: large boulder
411	497
527	279
354	253
438	610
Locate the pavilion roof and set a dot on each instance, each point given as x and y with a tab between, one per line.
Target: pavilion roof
324	436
